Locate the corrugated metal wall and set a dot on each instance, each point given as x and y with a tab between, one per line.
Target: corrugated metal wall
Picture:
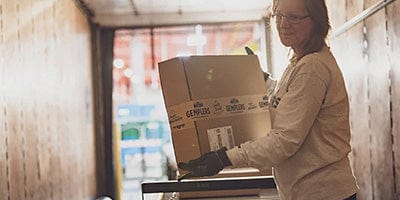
368	54
46	115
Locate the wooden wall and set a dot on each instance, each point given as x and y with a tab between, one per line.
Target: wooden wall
393	36
46	116
368	63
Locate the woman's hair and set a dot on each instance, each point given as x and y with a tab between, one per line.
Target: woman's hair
318	14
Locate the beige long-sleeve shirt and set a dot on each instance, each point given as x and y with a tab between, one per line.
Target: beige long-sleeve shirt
309	142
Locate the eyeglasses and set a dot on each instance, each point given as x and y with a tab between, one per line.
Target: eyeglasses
293	19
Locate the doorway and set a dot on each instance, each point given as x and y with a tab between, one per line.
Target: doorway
145	150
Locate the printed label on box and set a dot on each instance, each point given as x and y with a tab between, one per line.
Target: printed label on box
221	137
182	116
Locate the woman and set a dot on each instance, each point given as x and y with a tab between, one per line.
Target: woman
309	142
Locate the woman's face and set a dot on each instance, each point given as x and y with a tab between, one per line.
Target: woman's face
293	24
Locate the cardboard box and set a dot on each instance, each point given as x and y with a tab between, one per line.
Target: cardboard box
214	101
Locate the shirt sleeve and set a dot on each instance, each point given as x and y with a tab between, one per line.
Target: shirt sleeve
294	117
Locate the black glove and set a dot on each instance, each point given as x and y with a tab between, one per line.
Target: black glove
266	76
208	164
249	51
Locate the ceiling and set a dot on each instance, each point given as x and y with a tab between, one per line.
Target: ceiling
134	13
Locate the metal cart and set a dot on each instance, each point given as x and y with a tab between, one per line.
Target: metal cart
169	188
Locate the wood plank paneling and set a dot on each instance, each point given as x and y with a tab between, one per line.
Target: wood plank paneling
41	32
359	116
335	12
393	24
46	138
365	63
4	168
15	137
60	35
29	127
379	102
358	94
354	70
4	164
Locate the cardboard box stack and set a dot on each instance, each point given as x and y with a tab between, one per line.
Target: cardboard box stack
214	101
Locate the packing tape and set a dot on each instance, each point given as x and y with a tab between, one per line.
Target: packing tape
183	116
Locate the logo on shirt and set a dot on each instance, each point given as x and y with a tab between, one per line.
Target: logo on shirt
264	102
275	101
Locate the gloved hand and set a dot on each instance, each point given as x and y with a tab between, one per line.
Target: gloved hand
267	76
208	164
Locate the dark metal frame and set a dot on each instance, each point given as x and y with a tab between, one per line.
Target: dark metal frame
236	183
102	48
